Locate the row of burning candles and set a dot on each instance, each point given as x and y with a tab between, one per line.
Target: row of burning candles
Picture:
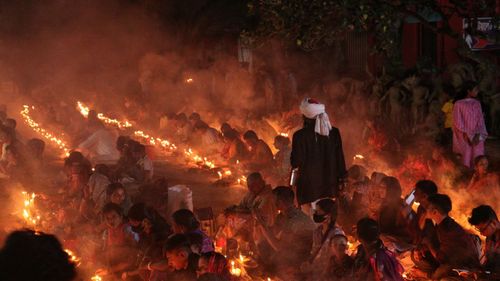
155	141
190	154
53	138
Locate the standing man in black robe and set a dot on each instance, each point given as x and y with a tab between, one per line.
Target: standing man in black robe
317	154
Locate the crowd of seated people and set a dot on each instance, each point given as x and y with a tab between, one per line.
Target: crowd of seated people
141	245
124	209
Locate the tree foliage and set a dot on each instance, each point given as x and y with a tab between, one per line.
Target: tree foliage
314	24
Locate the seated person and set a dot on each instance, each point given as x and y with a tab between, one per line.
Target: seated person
194	118
213	265
340	264
116	194
326	216
209	138
184	129
123	146
77	188
291	234
153	231
423	227
261	156
13	166
29	255
8	138
259	198
76	159
485	220
185	222
358	187
457	248
119	242
180	258
392	216
98	185
100	145
144	163
282	157
235	150
373	260
482	180
423	190
35	148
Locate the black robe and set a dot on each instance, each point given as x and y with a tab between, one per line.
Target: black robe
320	160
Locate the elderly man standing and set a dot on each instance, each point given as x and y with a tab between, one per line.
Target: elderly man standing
317	154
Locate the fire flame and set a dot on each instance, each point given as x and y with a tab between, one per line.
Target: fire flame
84	110
29	208
238	266
96	278
25	113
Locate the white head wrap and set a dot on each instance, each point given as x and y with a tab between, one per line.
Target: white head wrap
316	111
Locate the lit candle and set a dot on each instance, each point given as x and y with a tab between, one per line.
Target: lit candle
234	270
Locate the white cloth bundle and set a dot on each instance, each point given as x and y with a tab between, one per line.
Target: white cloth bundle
314	110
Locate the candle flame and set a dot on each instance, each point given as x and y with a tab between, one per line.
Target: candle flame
359	156
84	110
29	208
58	142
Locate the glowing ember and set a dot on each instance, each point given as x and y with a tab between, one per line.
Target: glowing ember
189	80
284	135
25	113
84	110
73	258
96	278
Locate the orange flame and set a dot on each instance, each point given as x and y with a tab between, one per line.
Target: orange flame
29	208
